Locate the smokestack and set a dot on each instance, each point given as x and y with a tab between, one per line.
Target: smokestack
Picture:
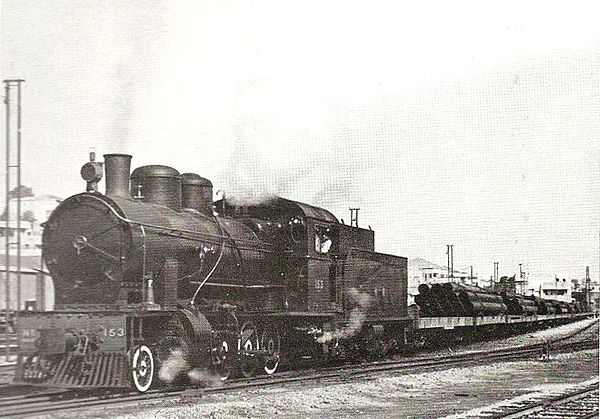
117	168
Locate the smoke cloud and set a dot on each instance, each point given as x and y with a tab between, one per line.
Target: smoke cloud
176	365
204	377
358	314
246	197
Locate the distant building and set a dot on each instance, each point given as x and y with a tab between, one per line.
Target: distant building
567	289
34	211
595	296
421	271
511	284
506	284
36	285
559	289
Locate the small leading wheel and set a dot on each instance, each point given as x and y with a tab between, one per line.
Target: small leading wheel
143	368
270	343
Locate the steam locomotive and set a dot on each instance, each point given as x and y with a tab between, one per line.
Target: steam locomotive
156	282
153	267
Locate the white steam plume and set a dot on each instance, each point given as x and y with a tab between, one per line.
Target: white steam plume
356	319
176	364
205	377
173	366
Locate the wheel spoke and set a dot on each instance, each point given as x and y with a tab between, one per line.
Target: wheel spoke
143	368
271	343
248	344
220	359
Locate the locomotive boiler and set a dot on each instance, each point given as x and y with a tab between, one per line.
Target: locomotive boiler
160	239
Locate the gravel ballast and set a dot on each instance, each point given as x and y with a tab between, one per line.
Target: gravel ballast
430	394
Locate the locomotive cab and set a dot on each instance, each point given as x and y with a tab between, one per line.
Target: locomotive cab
307	244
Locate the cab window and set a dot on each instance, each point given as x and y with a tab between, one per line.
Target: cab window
323	240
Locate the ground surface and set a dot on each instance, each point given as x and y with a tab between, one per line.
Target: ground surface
426	395
423	395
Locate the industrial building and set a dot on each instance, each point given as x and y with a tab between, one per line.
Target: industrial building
36	289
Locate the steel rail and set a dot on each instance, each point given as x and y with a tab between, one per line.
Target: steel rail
556	343
558	406
42	403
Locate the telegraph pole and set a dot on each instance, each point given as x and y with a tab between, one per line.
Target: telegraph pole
520	271
495	280
452	263
521	280
587	287
450	253
354	217
8	84
448	260
18	202
18	167
7	237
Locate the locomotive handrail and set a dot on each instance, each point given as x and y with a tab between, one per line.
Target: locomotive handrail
181	236
213	268
228	285
170	230
144	255
142	225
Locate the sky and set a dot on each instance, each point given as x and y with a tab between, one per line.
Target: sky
475	124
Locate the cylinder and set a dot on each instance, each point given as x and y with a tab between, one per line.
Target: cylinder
117	168
158	185
196	192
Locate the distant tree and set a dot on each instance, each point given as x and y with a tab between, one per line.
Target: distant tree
28	216
22	191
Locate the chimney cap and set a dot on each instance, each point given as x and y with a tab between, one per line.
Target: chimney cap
154	170
117	155
193	179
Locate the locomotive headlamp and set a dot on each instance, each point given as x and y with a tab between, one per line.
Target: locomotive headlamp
91	172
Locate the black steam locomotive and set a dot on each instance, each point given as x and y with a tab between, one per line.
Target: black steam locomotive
155	280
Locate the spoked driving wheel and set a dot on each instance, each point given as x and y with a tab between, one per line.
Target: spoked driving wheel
375	349
270	343
223	353
221	356
143	370
248	345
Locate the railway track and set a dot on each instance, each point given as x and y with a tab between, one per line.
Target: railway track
12	342
579	331
8	368
62	400
579	401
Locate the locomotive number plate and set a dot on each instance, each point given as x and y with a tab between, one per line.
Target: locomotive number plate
112	332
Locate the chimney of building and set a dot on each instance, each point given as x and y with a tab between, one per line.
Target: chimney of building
117	168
